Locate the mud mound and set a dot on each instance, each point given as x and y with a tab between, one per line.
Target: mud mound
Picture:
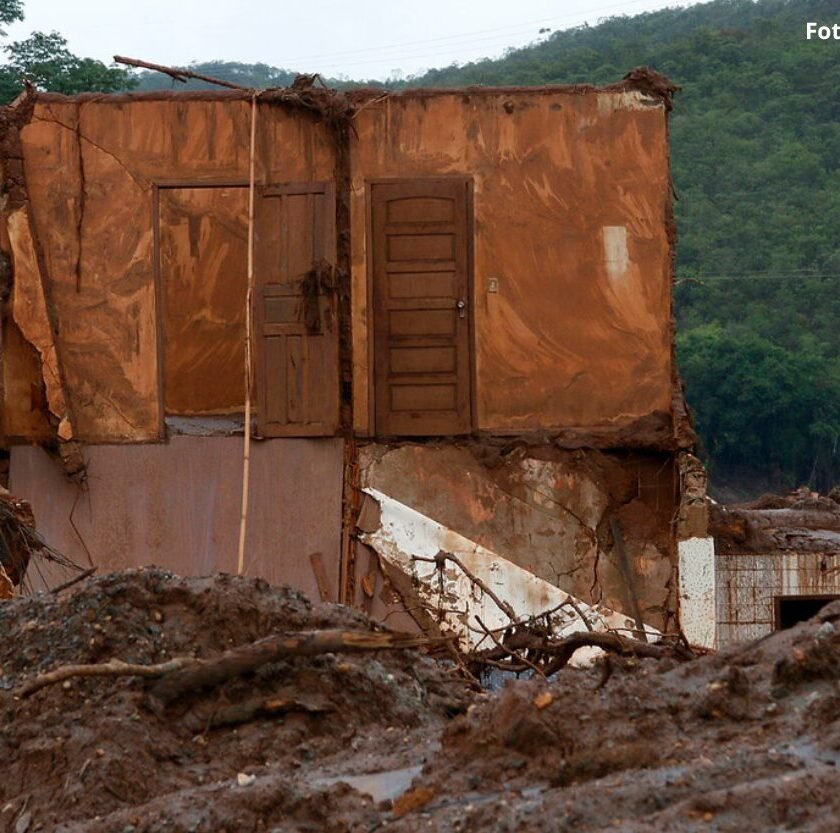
92	747
741	741
748	739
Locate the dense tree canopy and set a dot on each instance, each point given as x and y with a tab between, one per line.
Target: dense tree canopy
45	62
10	11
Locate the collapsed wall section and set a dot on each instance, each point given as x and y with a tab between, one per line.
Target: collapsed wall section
593	524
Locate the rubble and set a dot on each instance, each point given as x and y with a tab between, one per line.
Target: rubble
800	521
21	546
747	739
777	559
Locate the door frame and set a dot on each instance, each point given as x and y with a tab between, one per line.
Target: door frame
370	184
157	186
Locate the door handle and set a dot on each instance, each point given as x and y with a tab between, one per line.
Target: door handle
462	307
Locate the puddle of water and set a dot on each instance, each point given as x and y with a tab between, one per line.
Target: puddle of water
380	786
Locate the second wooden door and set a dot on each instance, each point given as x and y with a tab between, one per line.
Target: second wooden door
421	291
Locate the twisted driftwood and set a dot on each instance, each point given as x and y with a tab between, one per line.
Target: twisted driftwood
181	675
551	655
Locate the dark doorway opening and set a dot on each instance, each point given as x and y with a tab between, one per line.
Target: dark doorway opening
791	610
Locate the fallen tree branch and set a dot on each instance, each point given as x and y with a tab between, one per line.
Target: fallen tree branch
442	557
574	606
184	674
75	580
563	650
206	673
510	652
112	668
176	74
558	652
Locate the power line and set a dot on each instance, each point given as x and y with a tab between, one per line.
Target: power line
519	28
504	42
757	277
802	273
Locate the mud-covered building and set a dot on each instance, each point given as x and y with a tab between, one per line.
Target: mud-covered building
461	307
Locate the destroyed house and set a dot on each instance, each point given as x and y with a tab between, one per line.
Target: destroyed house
461	343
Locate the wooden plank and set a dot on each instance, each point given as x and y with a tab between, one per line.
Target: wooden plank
321	577
275	401
295	376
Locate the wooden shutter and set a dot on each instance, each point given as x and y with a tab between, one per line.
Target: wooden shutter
297	329
421	292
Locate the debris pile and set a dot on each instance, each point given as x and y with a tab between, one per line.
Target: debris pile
800	521
21	547
360	739
92	747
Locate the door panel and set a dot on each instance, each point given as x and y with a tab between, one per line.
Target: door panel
295	301
421	293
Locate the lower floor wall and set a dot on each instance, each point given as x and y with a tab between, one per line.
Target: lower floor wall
749	586
177	505
595	525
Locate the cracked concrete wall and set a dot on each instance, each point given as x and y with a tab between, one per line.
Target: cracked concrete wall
548	511
748	585
450	593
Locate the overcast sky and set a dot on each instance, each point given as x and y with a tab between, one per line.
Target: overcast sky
358	38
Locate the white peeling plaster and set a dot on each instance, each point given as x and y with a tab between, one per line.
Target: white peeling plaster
625	100
697	590
404	533
616	256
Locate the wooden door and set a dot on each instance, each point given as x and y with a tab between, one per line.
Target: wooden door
421	291
295	298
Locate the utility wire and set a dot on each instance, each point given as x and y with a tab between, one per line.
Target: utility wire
465	41
757	277
525	26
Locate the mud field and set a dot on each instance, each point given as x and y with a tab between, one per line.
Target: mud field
744	740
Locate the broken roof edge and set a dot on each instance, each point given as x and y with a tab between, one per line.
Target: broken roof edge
641	79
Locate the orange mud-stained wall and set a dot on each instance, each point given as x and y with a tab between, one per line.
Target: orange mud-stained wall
140	211
572	280
139	208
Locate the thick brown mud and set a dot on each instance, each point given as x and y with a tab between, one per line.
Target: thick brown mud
744	740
